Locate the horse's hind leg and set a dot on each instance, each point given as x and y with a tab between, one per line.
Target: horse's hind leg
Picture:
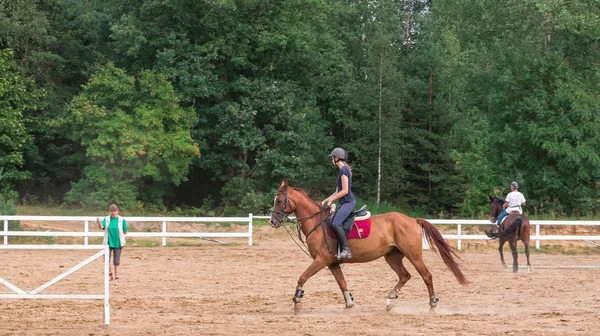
336	270
394	259
419	264
513	248
526	243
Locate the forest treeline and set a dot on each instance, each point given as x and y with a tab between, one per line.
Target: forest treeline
212	103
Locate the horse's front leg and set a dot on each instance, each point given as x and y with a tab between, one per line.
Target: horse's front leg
336	270
513	248
502	241
314	267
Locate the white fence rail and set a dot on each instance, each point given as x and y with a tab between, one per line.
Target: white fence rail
35	294
460	236
85	221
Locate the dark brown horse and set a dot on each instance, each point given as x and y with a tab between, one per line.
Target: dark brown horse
393	236
514	227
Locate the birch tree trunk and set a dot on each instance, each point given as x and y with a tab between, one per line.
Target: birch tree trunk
379	155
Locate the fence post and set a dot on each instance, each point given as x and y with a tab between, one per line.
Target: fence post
459	233
86	230
537	233
106	286
6	230
250	229
164	230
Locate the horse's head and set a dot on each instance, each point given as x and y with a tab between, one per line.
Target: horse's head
496	207
282	206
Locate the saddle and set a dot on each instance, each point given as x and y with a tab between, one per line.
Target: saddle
514	212
357	225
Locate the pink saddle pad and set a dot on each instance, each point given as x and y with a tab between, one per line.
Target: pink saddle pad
364	227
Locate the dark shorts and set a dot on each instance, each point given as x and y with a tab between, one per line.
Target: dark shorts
117	253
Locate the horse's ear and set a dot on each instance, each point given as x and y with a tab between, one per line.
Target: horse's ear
491	198
284	184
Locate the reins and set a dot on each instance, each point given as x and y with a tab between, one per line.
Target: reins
300	221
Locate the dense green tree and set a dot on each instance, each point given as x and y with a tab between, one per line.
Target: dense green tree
17	96
440	104
136	138
516	89
254	71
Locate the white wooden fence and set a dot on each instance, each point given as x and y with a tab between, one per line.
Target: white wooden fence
460	236
459	223
85	222
35	294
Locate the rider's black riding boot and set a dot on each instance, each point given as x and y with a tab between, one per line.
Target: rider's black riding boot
341	236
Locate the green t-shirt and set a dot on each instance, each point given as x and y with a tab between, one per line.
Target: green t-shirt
113	231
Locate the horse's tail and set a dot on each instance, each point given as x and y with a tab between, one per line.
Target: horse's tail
508	232
447	252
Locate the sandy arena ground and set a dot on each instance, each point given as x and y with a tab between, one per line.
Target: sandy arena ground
247	290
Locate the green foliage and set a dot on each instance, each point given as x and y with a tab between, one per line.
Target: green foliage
241	197
17	95
134	133
516	90
463	101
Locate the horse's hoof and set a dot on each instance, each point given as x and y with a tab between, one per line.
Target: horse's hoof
297	308
504	266
349	299
298	295
389	304
433	301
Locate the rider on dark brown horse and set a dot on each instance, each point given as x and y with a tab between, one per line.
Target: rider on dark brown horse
343	193
514	203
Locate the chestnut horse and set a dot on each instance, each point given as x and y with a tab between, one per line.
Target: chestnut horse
393	236
514	227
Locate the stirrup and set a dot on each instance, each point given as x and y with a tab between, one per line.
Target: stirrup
345	255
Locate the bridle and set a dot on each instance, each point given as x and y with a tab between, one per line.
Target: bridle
281	216
495	207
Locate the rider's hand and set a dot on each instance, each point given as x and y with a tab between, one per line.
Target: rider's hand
326	202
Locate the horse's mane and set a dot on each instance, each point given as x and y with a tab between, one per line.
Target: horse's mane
304	193
498	200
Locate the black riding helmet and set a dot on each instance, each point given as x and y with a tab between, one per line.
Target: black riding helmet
340	153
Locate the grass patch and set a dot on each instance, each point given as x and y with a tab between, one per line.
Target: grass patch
557	249
142	243
260	222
